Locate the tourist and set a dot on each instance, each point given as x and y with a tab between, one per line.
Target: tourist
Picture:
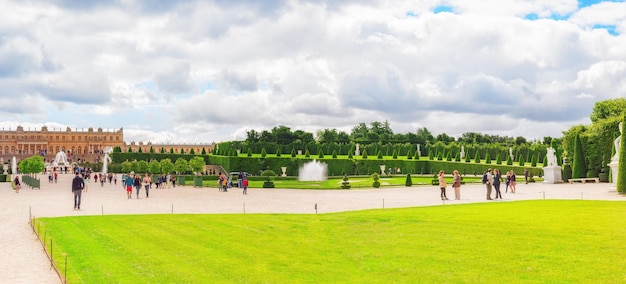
17	184
245	185
115	179
137	184
513	182
496	183
173	178
240	179
86	181
225	184
124	177
488	183
78	185
147	180
526	175
456	184
442	185
128	183
102	180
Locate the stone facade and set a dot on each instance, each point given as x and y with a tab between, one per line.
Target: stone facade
86	145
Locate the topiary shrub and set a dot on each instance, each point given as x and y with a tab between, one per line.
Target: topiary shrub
376	183
408	181
268	183
268	173
345	184
263	153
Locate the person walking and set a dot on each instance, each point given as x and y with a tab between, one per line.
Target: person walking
526	173
137	183
513	182
245	185
78	184
146	184
496	183
442	185
128	183
456	184
17	184
488	183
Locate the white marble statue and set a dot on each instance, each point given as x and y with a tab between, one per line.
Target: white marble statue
616	144
551	157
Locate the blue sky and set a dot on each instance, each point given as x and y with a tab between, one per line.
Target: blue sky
202	71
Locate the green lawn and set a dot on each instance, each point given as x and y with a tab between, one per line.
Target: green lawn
543	241
355	182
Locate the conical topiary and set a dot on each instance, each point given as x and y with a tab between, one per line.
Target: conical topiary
579	169
621	170
408	181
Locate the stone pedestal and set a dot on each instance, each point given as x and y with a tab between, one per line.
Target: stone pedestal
552	174
284	169
613	166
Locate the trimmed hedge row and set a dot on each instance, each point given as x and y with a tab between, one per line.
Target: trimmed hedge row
336	167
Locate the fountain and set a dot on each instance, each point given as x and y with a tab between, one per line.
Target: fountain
14	165
60	159
313	171
106	160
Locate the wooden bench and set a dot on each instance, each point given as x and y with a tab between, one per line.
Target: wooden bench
583	180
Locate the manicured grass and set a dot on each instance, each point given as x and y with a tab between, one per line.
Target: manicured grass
543	241
357	182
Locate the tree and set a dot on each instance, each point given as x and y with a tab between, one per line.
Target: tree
487	158
142	166
608	108
154	167
181	166
127	167
151	150
320	153
278	153
249	152
166	166
197	164
579	169
192	152
32	165
477	158
263	153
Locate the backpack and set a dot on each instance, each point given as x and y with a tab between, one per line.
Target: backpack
485	178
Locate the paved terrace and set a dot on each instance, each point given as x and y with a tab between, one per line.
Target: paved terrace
23	260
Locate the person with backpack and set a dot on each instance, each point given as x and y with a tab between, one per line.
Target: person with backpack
488	181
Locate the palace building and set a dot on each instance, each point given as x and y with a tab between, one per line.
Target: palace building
86	145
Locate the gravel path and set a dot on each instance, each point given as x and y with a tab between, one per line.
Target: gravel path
22	259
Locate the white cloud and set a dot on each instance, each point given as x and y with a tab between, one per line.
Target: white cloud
212	70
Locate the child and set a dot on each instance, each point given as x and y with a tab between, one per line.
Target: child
245	186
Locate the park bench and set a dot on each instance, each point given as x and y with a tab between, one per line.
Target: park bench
583	180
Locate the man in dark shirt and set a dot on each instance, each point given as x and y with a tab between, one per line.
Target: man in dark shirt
78	184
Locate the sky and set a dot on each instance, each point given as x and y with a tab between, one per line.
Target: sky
209	71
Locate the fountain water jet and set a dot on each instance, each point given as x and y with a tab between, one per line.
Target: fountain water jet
313	171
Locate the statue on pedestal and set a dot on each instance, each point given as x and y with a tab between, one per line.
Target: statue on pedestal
616	144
